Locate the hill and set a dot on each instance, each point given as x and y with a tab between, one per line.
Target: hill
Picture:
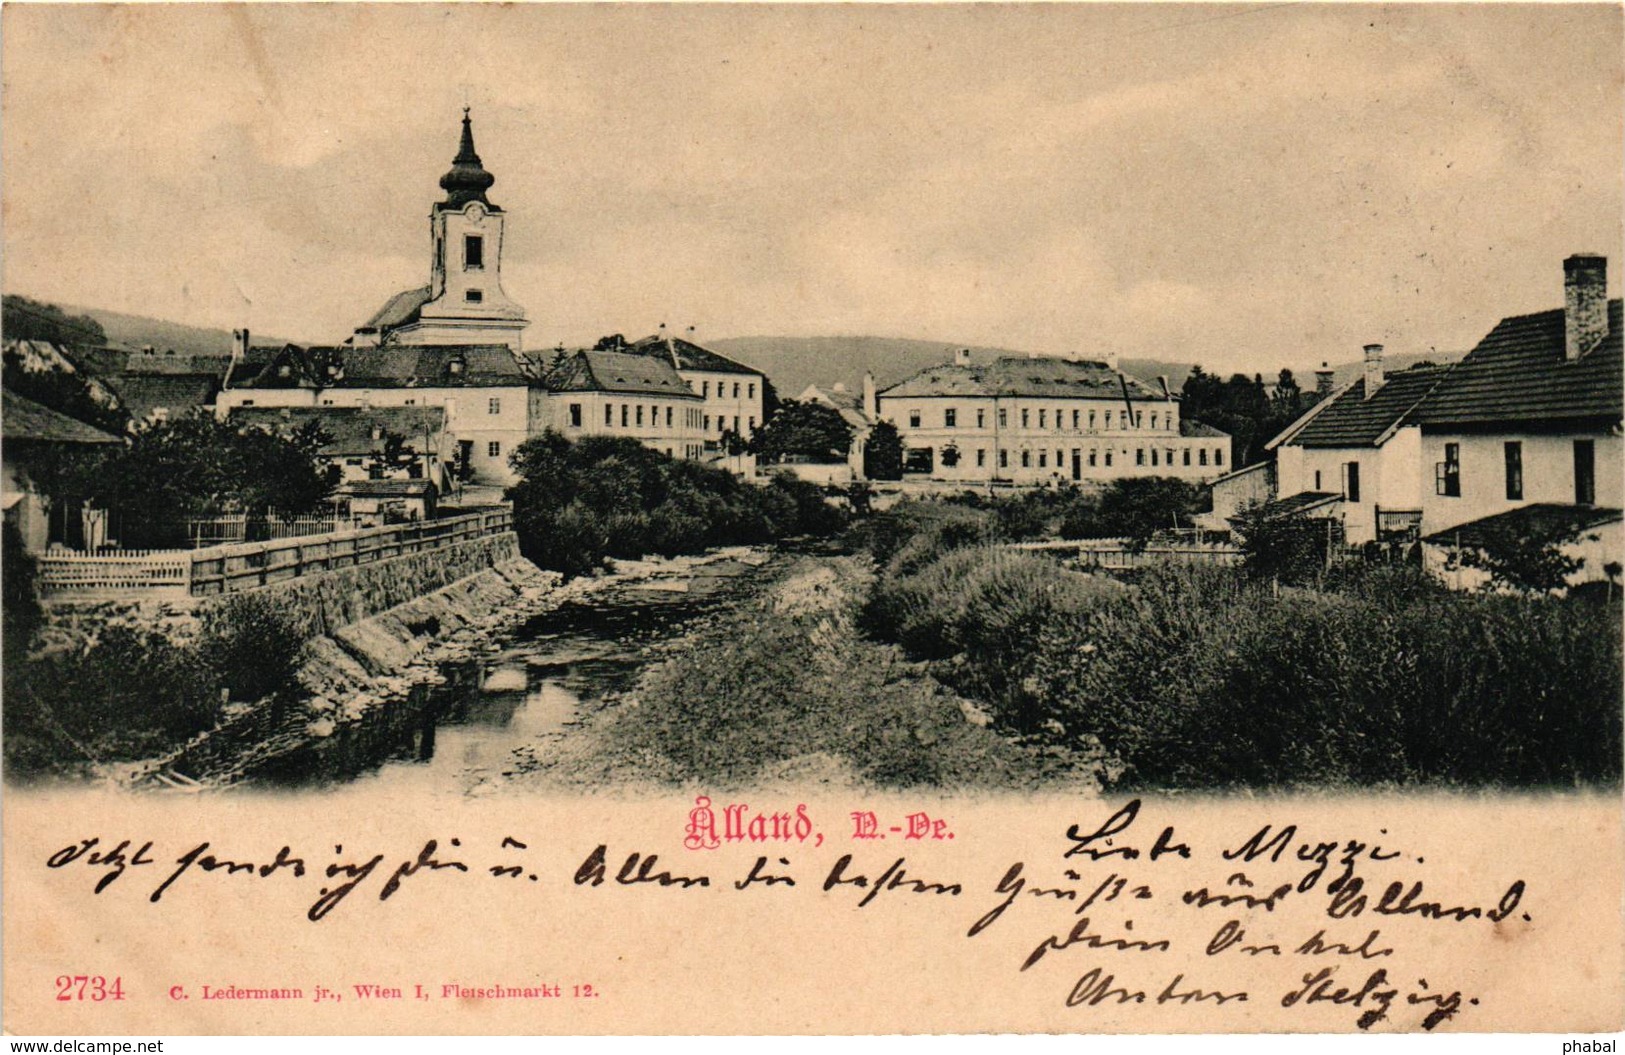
139	331
793	363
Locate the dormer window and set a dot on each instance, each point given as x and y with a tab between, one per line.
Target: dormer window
455	368
284	370
473	296
473	252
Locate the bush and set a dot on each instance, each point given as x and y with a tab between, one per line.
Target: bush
252	645
578	503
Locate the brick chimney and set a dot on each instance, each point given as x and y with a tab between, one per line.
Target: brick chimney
1585	303
1324	380
239	343
1373	369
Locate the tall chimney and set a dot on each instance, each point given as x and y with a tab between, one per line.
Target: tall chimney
1585	303
1162	379
1324	380
962	357
871	401
239	343
1373	369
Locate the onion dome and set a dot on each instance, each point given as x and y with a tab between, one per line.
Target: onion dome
467	181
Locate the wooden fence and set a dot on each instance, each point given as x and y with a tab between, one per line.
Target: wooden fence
1118	553
245	566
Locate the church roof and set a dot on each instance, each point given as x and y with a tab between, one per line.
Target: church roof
403	309
620	372
467	181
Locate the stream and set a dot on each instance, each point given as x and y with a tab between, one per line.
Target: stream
460	736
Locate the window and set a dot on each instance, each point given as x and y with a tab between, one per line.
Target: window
1201	456
707	423
609	414
736	422
705	388
1041	418
1139	456
981	419
1187	458
1075	416
913	419
1091	419
246	403
750	390
1043	456
1108	458
668	417
1139	419
751	422
1025	420
1153	456
473	296
1004	458
494	405
736	389
981	457
575	415
1218	456
950	417
1585	473
1153	419
626	414
1447	474
1317	479
1170	456
1092	455
640	415
1514	459
722	424
473	252
493	449
1351	481
1004	417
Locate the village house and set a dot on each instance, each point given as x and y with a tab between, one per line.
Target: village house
1523	437
33	437
855	410
1044	420
601	393
1358	453
359	438
733	396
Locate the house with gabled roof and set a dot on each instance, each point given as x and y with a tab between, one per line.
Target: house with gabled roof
606	393
1359	453
733	395
34	437
1044	420
1523	438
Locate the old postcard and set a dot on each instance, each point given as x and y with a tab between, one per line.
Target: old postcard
813	519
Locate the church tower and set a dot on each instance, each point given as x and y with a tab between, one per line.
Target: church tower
464	302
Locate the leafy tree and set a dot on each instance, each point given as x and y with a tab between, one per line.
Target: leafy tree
1285	548
613	343
883	452
1521	562
25	319
393	456
809	430
21	607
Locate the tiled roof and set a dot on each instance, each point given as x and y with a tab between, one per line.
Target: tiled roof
27	421
1200	430
141	394
402	309
623	372
385	488
1037	376
1351	420
686	355
1518	374
390	366
351	428
1548	521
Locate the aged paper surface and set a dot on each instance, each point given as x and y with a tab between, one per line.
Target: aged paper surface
231	165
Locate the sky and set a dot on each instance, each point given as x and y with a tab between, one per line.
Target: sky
1242	186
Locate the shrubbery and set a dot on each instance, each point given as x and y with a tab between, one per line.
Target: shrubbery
603	496
1199	677
132	691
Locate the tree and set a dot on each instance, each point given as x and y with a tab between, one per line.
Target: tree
807	430
883	452
1291	549
1137	507
1518	561
25	319
949	455
197	466
393	456
21	608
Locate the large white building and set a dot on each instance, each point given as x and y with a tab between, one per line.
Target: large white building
1040	420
